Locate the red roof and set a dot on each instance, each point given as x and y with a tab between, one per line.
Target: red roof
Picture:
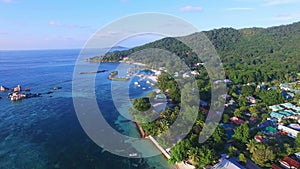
274	166
204	110
259	138
236	120
291	162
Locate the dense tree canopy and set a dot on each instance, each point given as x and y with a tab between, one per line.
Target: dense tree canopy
241	133
253	54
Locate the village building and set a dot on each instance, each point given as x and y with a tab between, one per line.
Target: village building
289	131
288	162
228	164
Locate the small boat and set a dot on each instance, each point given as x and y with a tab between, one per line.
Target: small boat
139	85
133	154
136	83
144	88
148	82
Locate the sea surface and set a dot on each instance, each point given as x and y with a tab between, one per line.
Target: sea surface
44	132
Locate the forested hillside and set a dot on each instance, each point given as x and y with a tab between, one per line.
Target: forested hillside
248	55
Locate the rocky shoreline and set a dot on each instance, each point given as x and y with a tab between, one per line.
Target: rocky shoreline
17	94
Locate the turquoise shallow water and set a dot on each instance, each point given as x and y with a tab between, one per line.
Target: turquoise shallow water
44	132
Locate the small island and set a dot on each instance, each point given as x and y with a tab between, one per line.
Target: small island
113	78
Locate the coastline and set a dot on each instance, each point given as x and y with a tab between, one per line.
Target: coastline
178	165
152	140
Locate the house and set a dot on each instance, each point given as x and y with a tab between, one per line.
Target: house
295	126
161	98
176	74
194	72
270	131
227	81
287	113
297	155
276	107
287	95
277	115
265	124
272	88
288	162
259	139
262	86
230	103
204	110
274	166
186	75
228	164
290	132
251	99
297	110
288	105
285	87
290	111
237	121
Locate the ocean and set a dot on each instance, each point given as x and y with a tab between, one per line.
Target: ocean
44	132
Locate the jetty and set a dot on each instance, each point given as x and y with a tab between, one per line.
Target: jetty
156	144
95	72
141	131
153	141
165	153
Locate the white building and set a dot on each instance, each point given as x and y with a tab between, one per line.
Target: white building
291	132
227	164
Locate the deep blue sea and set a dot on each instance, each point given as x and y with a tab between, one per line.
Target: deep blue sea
44	132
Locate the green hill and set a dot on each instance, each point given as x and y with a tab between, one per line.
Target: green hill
251	54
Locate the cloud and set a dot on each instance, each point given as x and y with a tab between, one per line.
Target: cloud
7	1
60	38
286	17
239	9
55	23
191	9
279	2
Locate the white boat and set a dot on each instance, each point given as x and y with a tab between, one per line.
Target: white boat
133	154
139	85
136	83
148	82
144	88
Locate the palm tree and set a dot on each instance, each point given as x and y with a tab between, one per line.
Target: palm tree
251	146
200	123
193	155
